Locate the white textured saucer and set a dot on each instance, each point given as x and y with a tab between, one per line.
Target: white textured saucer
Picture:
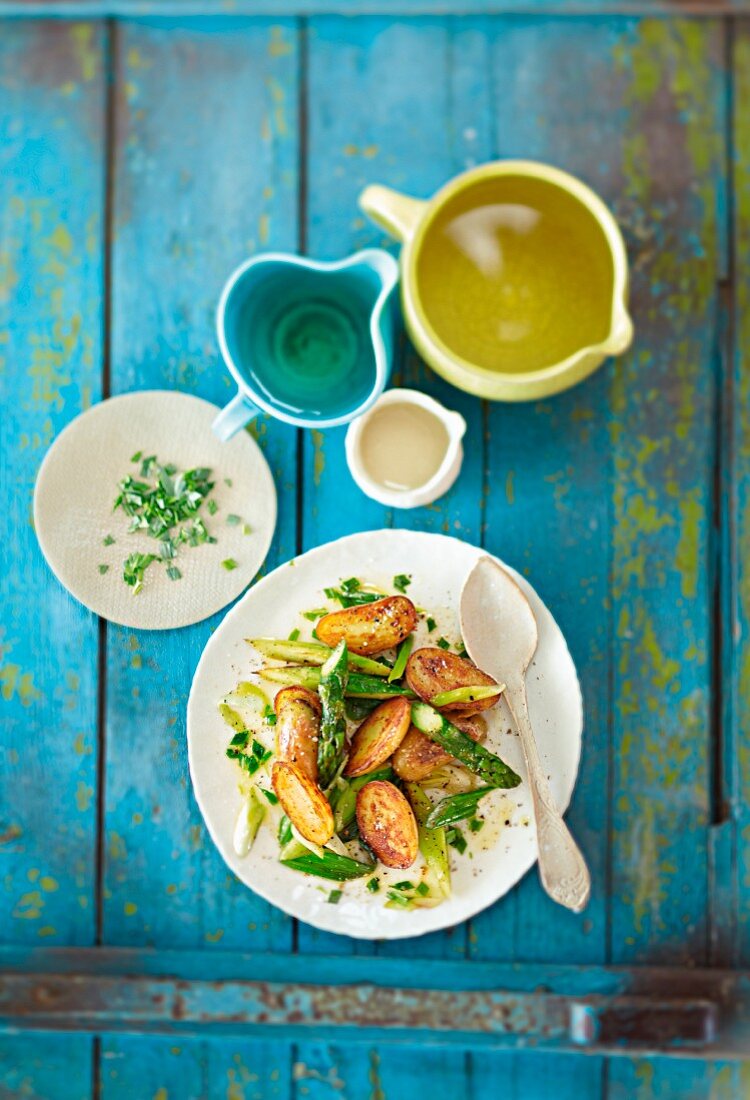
77	485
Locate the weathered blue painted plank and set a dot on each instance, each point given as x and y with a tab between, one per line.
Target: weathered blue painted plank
57	1067
663	402
178	9
656	1079
206	173
51	195
370	63
191	1069
736	777
51	201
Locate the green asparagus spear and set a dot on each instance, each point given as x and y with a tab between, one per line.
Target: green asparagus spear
466	694
331	866
476	758
344	803
313	653
457	807
332	738
358	685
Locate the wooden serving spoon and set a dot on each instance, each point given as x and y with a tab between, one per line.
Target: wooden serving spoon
491	602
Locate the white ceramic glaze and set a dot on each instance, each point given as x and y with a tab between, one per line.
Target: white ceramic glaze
439	483
438	566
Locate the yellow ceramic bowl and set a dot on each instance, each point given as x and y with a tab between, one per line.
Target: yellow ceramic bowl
411	221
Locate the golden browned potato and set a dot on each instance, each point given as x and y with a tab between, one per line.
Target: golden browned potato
431	671
297	728
369	628
417	756
303	802
379	736
387	823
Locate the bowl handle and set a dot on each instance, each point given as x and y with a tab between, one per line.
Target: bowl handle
239	412
398	214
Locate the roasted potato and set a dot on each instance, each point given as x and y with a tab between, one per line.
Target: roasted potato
369	628
431	671
379	736
303	802
387	824
297	728
417	756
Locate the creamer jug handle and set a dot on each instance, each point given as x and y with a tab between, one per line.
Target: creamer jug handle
398	214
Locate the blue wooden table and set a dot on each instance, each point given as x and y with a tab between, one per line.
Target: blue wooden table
144	152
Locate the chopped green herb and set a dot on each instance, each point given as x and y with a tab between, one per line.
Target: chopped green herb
404	885
431	624
260	753
173	573
350	594
456	839
228	481
373	885
423	889
316	613
269	795
334	897
443	643
164	503
233	520
108	540
249	763
294	636
134	569
103	568
400	901
212	507
461	650
246	529
285	830
401	582
476	824
240	739
229	564
167	549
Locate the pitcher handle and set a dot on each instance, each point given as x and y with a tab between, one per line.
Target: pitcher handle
239	412
398	214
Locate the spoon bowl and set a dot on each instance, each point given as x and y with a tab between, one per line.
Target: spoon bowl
497	623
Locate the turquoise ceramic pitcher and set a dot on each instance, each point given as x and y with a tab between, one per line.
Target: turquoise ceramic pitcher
306	341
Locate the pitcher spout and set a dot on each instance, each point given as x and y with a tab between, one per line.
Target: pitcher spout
621	336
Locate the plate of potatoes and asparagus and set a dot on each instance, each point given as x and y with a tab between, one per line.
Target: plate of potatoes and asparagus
352	765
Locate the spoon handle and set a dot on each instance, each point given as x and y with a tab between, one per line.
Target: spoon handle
562	868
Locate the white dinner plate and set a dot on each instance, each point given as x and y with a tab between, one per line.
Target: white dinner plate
505	848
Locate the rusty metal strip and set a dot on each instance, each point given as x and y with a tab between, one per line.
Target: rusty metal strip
713	1022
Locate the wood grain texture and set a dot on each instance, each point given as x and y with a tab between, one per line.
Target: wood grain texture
737	745
205	174
51	198
52	100
179	9
605	496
